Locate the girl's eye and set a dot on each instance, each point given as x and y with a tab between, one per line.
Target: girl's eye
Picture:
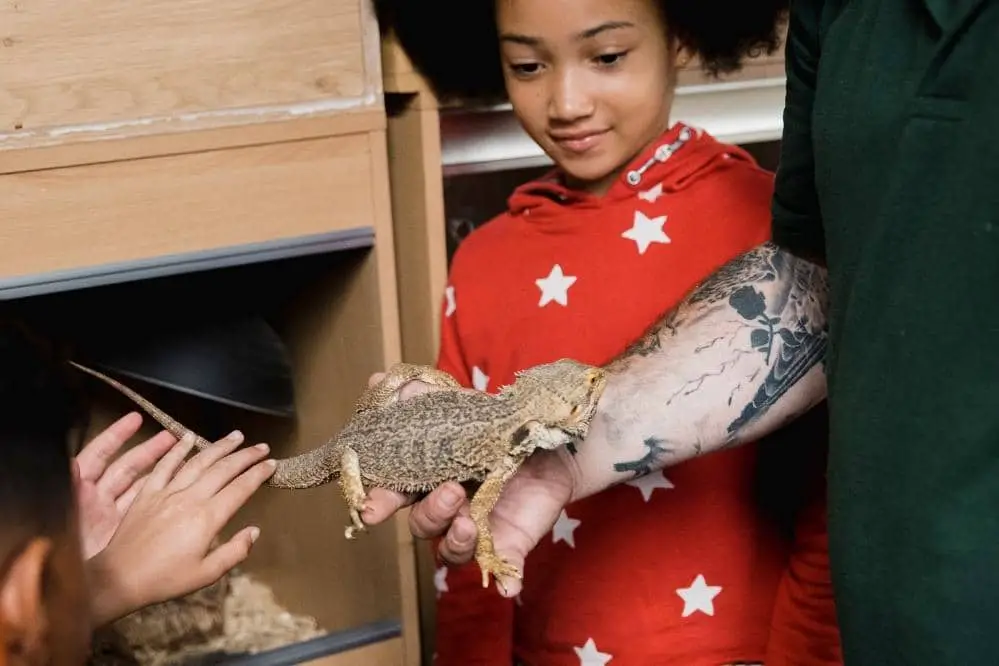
608	59
525	69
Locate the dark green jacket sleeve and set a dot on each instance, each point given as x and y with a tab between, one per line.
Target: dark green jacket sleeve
797	220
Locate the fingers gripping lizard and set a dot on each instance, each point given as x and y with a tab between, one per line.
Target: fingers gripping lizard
384	393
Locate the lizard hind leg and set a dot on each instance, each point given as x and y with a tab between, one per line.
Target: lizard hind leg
385	391
352	487
481	506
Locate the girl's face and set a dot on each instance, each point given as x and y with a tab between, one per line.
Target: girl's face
591	81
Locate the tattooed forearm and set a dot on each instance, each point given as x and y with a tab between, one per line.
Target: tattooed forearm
651	460
741	355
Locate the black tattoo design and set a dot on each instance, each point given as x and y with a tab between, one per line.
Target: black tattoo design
790	317
643	465
751	305
767	295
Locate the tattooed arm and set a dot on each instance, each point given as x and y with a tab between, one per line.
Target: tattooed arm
739	357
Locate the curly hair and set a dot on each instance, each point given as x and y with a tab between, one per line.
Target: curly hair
457	52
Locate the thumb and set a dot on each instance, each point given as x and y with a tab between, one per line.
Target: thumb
518	525
512	545
509	586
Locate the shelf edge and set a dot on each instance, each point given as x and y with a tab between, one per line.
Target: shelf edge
187	262
491	139
324	646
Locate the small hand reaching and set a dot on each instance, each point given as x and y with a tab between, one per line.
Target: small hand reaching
163	547
104	489
527	509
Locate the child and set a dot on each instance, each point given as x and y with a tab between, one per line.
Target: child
50	598
44	605
679	566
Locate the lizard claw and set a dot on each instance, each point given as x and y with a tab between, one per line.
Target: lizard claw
357	525
498	567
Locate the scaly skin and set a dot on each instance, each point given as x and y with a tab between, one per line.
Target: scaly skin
449	434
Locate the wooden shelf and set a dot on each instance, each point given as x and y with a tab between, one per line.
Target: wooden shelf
336	643
233	154
166	265
331	313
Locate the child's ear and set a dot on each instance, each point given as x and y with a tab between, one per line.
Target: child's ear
23	621
683	55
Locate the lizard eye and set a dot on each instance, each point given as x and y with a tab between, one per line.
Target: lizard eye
575	410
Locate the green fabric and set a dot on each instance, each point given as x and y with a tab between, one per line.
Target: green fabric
890	173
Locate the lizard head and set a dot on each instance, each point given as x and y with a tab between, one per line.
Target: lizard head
563	395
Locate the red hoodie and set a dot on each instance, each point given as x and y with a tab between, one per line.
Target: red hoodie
679	566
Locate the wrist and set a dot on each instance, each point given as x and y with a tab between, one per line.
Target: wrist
592	467
109	597
629	436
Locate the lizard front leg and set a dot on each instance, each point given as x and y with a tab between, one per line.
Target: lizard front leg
385	392
482	504
352	487
382	394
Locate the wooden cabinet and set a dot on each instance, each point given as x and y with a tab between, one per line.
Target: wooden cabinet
222	152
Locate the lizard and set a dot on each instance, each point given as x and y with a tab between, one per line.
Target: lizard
449	433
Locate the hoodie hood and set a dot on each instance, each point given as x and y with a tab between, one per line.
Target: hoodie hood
680	156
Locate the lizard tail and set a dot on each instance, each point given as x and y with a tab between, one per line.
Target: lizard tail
309	469
170	424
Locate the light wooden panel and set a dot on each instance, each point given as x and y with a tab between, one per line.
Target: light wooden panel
27	153
109	61
386	254
333	333
118	211
418	212
421	261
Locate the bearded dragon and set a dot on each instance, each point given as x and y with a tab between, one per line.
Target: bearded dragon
447	434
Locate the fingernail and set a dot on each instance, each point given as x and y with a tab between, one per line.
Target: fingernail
262	447
271	464
254	534
450	498
235	436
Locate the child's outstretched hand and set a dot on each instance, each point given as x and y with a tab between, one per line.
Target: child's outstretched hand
163	547
104	489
